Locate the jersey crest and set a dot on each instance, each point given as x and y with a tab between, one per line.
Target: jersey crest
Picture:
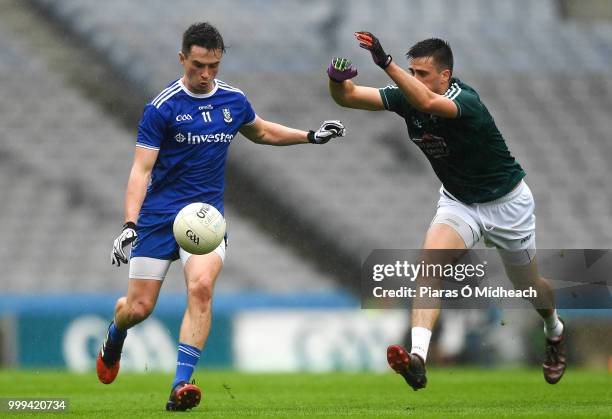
227	116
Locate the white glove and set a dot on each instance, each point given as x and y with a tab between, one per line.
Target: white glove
127	236
329	130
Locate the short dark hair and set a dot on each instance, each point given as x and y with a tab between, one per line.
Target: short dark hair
436	48
204	35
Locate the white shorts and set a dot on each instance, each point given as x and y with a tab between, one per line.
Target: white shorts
150	268
507	223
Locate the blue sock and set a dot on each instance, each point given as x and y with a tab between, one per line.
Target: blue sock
115	334
186	362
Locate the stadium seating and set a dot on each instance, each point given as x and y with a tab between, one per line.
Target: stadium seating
546	81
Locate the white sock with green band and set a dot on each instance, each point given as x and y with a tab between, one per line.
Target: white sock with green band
420	341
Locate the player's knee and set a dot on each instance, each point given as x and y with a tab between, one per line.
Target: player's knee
120	303
543	282
522	276
140	310
201	290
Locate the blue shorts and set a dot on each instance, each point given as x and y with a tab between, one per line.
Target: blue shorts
155	237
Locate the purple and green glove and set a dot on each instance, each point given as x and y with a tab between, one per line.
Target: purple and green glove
372	44
341	69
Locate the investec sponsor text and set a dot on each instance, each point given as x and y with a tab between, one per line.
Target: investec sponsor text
190	138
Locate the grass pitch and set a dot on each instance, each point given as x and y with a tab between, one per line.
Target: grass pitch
226	394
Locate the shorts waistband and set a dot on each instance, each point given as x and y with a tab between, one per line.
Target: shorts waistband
518	189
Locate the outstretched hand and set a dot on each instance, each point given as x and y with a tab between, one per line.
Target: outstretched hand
341	69
329	130
368	41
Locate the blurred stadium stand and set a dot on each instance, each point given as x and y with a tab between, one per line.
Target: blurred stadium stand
300	218
546	81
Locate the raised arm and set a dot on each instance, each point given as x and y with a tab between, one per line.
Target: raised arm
417	94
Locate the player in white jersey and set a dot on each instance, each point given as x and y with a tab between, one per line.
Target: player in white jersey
181	149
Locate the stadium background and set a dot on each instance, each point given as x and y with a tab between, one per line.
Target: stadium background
74	76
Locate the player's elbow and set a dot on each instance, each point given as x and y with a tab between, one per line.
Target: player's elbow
258	136
343	100
337	98
258	139
265	139
341	103
425	106
342	96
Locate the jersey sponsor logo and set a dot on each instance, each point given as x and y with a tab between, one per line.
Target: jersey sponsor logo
227	116
432	145
184	117
219	137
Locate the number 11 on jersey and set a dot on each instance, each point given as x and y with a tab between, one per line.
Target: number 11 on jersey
206	116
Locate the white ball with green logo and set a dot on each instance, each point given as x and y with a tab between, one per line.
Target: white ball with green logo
199	228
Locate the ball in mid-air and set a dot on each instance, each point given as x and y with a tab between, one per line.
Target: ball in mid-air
199	228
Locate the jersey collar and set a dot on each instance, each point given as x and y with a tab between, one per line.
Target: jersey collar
199	95
452	81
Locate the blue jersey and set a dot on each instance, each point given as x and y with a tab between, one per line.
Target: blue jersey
192	133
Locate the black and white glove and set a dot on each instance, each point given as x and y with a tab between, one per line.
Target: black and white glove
329	130
127	236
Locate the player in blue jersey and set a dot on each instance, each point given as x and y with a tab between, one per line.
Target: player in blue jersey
181	149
